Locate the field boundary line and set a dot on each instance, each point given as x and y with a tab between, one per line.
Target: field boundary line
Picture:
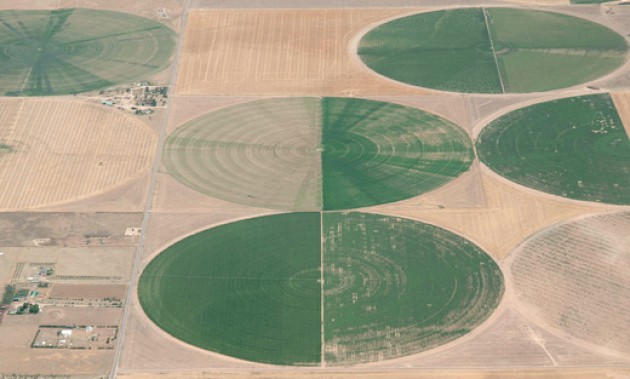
321	282
149	199
494	53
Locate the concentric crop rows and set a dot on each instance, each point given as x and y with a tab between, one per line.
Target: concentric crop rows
575	278
309	154
77	50
253	289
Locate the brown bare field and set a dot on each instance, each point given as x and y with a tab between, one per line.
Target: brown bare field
52	315
75	265
574	277
89	291
67	229
172	196
406	374
622	103
65	150
511	341
279	52
509	216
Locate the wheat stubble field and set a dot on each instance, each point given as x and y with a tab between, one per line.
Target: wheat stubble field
309	217
57	151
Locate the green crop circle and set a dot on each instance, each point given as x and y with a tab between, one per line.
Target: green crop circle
77	50
574	147
272	289
492	50
312	154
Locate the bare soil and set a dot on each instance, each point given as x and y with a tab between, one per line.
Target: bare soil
65	229
407	374
75	265
17	333
622	103
67	150
279	52
511	213
89	291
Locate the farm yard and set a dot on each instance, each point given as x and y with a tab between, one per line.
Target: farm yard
410	188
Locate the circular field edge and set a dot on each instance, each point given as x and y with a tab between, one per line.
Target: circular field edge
190	174
151	138
549	185
532	310
149	68
484	323
355	42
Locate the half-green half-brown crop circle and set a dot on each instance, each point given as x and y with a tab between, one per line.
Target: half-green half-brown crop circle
492	50
317	153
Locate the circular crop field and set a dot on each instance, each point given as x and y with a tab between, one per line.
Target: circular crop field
312	154
492	50
574	277
573	147
77	50
55	150
297	288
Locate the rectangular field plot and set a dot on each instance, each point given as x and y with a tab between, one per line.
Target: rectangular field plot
280	52
622	103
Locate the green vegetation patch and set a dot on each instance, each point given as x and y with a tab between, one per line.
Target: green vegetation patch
309	154
376	152
447	50
575	147
534	51
394	287
5	149
541	51
249	289
77	50
253	289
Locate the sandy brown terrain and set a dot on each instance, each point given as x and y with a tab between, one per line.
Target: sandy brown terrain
231	56
622	103
509	216
66	229
18	332
65	150
500	374
89	291
279	52
587	261
73	265
167	11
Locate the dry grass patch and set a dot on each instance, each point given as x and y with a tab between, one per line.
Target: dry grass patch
510	215
60	150
279	52
622	103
